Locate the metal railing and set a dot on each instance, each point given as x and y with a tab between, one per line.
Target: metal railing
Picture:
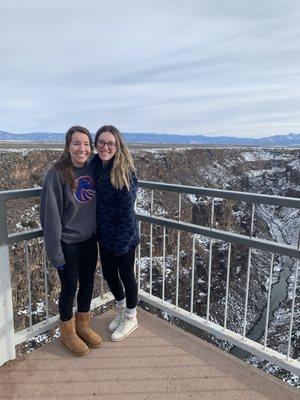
9	339
270	246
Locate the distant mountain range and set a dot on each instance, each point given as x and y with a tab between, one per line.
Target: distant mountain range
290	140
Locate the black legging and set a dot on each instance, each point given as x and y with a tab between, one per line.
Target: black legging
81	260
119	271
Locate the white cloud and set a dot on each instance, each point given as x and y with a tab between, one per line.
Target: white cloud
151	66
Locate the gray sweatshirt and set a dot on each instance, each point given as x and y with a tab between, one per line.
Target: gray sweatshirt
66	215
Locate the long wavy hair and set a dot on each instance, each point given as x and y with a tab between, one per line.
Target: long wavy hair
123	165
64	164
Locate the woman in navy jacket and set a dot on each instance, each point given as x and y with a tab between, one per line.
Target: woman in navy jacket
116	187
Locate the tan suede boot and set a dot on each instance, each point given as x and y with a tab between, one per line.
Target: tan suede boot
83	329
70	340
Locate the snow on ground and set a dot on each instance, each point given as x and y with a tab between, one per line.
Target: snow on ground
265	155
295	164
40	309
192	198
259	172
25	151
142	205
283	222
170	260
159	152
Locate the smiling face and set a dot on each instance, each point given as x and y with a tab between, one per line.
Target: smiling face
79	149
106	146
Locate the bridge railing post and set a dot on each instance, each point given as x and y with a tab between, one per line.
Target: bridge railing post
7	333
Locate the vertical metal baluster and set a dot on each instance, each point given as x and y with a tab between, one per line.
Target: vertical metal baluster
269	299
209	280
178	252
45	282
193	276
177	268
101	284
139	260
151	202
28	282
292	310
179	207
252	220
101	278
293	300
135	265
212	216
248	273
151	243
227	285
164	264
247	293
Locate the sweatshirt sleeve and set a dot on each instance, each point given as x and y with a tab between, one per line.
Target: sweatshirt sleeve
126	218
51	208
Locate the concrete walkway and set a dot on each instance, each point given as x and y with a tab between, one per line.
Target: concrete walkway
158	361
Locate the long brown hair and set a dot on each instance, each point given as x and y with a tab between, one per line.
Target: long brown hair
64	164
123	165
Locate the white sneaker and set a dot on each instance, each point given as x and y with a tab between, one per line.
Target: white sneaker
126	326
116	321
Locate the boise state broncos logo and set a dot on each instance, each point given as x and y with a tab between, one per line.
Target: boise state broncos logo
85	189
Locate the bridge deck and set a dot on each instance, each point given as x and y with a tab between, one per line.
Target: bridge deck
157	361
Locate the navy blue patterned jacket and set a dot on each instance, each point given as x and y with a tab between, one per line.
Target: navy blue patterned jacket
117	227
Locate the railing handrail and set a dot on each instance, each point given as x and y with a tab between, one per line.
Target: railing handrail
291	202
267	245
19	193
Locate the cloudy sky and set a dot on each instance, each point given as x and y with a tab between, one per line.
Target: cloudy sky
191	66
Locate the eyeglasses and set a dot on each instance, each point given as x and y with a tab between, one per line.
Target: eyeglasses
110	145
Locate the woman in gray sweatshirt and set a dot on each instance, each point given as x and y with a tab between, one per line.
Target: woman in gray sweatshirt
68	219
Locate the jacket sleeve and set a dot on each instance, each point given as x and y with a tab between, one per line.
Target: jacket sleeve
51	208
126	218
